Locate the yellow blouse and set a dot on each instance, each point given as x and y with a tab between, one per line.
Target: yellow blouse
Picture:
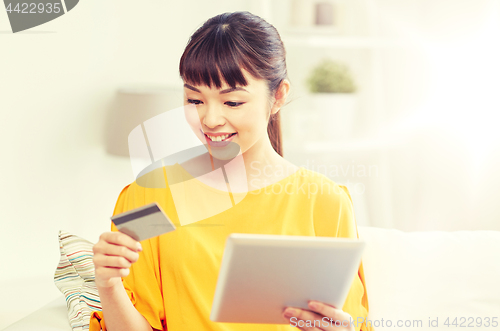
173	283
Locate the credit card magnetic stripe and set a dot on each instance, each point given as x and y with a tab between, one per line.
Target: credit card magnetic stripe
126	217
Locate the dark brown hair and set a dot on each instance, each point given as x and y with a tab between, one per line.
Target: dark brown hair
228	42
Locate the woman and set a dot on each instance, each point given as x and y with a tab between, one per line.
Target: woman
235	77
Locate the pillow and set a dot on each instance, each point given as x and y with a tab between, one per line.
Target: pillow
74	277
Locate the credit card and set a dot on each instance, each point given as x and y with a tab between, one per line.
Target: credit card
144	222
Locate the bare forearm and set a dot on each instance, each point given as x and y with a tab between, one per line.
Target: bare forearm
119	312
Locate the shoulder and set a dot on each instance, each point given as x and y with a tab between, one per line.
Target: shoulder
323	188
151	187
327	196
154	179
333	209
125	199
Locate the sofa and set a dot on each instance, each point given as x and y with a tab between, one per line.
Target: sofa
415	281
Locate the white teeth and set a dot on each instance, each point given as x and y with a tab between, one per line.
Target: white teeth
218	138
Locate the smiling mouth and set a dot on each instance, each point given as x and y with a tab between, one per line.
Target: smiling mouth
220	138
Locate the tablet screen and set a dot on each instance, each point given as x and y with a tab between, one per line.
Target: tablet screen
260	275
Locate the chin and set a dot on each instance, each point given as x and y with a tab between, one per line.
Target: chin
226	153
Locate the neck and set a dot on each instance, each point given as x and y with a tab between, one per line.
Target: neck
258	166
260	155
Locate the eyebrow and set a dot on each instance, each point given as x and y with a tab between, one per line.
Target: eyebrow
229	90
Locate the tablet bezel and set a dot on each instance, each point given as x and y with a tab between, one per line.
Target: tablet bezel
250	286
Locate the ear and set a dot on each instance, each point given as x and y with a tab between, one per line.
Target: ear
280	96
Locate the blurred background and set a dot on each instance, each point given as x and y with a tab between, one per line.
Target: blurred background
414	135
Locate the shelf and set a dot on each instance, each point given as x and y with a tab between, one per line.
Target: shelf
311	30
342	146
335	41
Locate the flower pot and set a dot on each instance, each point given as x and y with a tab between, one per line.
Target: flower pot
336	114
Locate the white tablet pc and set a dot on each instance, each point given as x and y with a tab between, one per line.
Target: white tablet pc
261	274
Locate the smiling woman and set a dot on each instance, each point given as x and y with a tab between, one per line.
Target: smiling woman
235	76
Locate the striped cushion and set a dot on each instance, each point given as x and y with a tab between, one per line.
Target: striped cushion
74	277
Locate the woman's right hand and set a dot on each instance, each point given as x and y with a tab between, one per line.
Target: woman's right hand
114	253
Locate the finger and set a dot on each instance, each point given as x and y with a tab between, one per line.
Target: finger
306	328
107	273
115	250
304	319
111	261
330	311
121	239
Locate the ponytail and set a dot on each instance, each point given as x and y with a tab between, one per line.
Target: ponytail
274	132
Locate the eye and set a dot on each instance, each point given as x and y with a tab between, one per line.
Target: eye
234	104
196	102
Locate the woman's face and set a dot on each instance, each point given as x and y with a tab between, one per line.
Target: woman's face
226	115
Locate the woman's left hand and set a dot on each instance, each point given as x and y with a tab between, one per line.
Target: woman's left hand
321	317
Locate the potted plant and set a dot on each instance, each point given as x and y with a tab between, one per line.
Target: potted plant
333	97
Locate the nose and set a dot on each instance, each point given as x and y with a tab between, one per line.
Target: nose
213	116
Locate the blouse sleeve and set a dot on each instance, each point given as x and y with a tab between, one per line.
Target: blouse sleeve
338	204
143	284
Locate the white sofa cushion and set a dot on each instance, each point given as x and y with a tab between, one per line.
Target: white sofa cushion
52	317
429	275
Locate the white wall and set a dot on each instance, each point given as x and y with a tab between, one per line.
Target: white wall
431	101
442	103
